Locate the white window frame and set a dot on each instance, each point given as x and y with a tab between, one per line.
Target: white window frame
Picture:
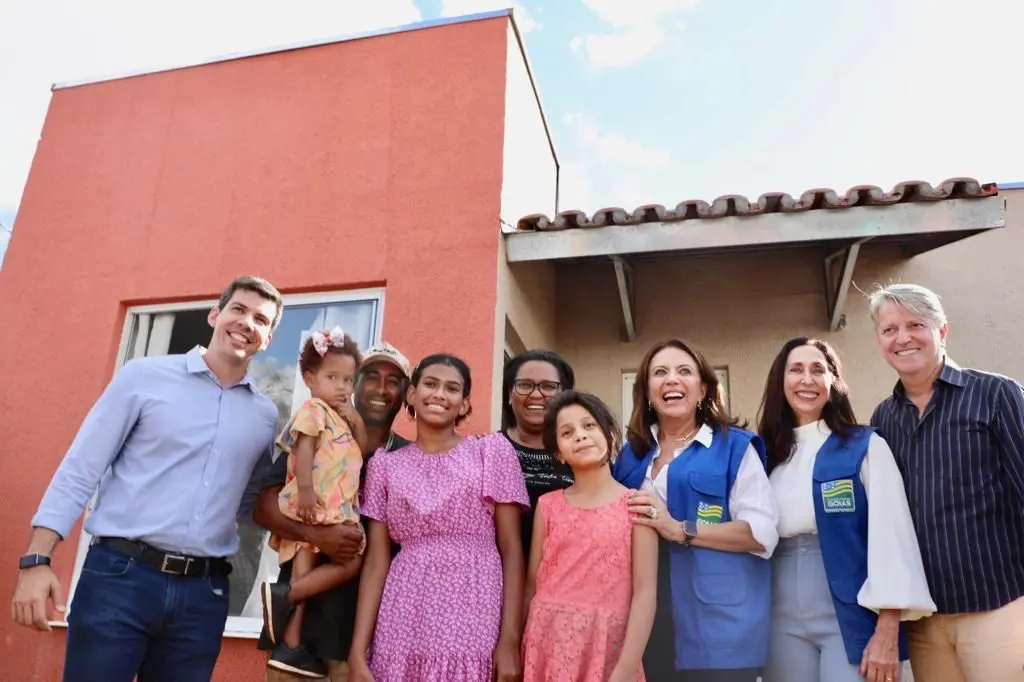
628	379
242	627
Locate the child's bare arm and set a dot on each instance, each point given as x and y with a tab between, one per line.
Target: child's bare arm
536	554
304	452
371	590
644	601
359	433
355	422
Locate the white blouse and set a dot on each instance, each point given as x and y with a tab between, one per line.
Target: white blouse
895	572
751	498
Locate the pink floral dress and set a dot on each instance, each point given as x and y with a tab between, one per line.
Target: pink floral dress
577	621
441	609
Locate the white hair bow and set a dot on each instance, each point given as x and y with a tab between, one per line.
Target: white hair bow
324	340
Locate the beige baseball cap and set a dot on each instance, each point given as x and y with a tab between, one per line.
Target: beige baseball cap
385	352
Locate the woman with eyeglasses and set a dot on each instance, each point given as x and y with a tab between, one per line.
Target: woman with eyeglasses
530	382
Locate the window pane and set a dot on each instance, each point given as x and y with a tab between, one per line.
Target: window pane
276	374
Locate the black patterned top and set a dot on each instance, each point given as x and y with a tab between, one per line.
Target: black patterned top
543	473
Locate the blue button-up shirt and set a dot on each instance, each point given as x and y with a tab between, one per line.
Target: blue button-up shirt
963	467
172	452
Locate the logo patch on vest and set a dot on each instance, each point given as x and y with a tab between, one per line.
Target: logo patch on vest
709	513
837	496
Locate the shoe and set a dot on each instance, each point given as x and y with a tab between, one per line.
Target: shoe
297	662
277	610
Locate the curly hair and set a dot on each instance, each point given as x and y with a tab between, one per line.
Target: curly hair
310	360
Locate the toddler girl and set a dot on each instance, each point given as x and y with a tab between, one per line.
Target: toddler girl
324	442
592	580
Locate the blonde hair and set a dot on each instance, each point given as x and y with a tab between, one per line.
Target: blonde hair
914	297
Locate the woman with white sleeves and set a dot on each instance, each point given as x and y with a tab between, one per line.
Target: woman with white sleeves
847	571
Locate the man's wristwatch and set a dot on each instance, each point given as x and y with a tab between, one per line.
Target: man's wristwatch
689	532
32	560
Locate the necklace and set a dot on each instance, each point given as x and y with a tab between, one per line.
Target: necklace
687	436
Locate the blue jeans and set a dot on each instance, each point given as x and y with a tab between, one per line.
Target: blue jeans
128	619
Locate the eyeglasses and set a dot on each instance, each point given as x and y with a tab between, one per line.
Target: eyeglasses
525	387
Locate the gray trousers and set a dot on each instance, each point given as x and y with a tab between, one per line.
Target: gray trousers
806	645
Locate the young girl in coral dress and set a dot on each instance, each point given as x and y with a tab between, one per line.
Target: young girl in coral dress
591	587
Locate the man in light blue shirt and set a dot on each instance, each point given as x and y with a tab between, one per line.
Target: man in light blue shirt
171	444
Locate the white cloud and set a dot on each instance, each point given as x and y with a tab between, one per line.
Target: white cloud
67	40
524	20
618	50
612	148
639	30
620	168
630	14
575	190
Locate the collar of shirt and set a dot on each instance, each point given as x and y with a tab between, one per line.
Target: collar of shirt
195	362
814	432
950	374
659	483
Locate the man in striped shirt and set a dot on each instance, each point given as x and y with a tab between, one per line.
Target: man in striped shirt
958	437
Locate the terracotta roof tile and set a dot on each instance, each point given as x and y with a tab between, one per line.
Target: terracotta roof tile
772	202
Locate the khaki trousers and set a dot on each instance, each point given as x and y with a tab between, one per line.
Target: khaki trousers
970	647
337	671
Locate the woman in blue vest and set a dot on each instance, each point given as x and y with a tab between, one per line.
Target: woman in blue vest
701	484
848	569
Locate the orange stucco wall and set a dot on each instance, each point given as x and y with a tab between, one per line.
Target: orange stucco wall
371	162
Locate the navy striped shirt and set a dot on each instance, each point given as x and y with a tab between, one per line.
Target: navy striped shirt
963	466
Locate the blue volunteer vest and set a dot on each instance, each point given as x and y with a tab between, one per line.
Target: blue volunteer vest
841	514
721	601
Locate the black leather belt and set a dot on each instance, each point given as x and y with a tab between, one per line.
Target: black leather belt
165	562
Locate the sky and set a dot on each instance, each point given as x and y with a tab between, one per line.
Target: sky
649	101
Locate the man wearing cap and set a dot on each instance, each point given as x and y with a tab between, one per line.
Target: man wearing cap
381	383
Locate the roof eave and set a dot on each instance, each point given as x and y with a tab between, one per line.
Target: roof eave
300	45
918	226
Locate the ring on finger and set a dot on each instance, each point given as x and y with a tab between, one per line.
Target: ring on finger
652	512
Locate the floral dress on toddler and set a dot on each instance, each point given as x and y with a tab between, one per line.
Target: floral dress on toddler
336	464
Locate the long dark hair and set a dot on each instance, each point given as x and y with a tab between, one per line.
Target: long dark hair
776	420
512	367
710	411
447	360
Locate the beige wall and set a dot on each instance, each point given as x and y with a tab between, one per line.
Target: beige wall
531	303
525	315
740	309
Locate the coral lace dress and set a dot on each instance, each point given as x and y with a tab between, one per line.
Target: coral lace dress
577	621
